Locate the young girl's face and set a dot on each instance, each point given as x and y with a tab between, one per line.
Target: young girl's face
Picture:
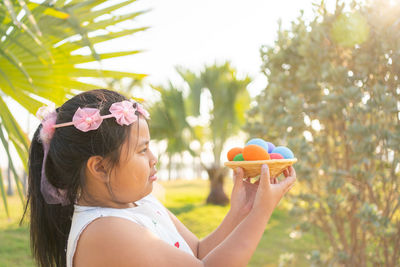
133	178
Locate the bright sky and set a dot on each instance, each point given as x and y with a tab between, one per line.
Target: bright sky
191	33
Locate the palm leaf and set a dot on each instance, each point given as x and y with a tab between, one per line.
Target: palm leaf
230	100
11	164
3	193
19	23
196	87
170	123
38	58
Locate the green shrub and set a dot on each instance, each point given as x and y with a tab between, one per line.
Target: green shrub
333	97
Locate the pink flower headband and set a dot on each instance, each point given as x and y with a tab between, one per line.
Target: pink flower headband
84	119
87	119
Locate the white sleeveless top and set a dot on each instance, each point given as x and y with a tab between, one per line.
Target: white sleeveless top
149	213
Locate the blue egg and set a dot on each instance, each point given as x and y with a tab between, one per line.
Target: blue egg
271	147
258	142
284	151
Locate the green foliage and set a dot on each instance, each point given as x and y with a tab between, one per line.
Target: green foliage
229	101
39	50
333	97
350	29
168	120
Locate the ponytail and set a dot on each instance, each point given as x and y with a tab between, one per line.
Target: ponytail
49	224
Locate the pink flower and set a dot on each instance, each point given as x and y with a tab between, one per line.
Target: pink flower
87	119
47	131
142	111
123	112
44	111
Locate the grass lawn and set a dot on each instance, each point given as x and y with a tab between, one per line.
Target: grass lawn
186	199
14	240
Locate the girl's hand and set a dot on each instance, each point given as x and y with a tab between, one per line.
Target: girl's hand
270	192
243	194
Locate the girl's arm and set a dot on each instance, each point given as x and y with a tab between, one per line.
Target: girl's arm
242	200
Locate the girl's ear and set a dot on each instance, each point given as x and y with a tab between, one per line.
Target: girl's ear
96	168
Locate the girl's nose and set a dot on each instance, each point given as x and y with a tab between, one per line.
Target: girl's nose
153	160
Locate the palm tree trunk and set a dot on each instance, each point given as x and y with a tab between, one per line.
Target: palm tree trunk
169	166
179	167
196	169
217	195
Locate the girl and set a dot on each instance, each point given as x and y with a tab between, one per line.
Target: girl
91	174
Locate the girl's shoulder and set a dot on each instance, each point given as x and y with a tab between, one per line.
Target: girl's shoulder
91	218
116	233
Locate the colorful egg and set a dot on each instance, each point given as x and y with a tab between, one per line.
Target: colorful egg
233	152
258	141
275	156
271	147
238	157
284	151
255	152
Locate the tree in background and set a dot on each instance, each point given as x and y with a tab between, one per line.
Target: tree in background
168	122
39	49
333	96
229	100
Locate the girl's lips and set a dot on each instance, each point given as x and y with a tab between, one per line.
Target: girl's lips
153	177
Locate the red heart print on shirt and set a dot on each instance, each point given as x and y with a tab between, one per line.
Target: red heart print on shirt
177	244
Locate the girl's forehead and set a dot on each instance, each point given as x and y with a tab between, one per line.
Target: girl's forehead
140	133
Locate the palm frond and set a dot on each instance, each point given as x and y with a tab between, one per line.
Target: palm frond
39	59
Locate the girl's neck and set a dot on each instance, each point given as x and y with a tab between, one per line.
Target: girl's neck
82	201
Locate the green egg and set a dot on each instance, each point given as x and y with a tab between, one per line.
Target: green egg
238	157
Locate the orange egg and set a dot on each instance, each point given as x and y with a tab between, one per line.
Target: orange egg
233	152
255	152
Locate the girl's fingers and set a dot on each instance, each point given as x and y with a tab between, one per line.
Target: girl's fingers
288	188
286	172
292	171
238	173
289	171
290	178
238	177
288	182
264	177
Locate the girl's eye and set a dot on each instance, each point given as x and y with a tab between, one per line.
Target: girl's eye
144	150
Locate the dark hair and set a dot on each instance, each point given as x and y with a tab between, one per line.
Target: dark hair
69	152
